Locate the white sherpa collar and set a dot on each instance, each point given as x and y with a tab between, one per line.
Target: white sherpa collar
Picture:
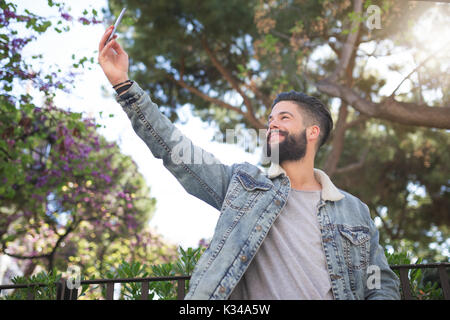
329	190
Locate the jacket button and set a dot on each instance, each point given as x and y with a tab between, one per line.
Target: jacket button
243	258
222	289
258	227
277	202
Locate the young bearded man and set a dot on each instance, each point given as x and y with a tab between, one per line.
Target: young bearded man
288	234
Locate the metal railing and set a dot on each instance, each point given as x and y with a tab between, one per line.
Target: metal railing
404	280
64	293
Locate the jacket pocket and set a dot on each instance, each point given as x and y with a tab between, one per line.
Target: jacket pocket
244	191
355	242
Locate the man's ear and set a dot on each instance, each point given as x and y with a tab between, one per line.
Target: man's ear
313	132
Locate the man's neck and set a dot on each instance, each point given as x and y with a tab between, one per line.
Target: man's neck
301	174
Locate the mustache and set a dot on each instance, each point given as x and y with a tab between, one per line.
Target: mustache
280	132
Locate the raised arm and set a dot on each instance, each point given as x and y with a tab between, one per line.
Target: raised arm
199	172
113	59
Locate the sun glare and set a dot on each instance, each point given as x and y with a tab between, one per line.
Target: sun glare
432	31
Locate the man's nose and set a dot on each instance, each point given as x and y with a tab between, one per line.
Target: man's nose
272	125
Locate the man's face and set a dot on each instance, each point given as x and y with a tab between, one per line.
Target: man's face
286	137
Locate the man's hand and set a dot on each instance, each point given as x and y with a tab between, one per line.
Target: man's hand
113	59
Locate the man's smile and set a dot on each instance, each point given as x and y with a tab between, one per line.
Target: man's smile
275	136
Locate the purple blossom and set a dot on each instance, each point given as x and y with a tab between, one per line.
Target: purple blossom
95	21
55	173
10	142
44	87
66	16
131	221
37	197
18	43
68	142
83	20
84	151
105	177
41	181
132	225
9	14
203	243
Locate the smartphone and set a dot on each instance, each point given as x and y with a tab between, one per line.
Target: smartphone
116	25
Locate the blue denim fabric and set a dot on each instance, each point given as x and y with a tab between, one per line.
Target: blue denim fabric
249	201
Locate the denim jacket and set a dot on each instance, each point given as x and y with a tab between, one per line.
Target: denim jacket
249	201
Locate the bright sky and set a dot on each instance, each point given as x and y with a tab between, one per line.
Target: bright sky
179	217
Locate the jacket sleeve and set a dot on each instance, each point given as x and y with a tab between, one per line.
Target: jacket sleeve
382	283
199	172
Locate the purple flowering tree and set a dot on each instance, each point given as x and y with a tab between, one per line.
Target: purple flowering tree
66	194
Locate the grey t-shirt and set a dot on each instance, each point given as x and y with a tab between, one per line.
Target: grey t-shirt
290	264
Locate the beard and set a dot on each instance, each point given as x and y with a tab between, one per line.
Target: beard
292	148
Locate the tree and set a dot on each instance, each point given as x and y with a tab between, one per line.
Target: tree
67	195
229	60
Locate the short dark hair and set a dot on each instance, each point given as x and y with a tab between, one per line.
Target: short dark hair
313	111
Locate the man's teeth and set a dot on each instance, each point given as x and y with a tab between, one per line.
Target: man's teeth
275	134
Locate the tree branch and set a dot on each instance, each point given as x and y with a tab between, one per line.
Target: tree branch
432	55
338	141
349	45
390	109
7	154
354	166
234	84
205	96
265	98
361	119
21	257
385	225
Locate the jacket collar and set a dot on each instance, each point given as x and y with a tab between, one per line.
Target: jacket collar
329	190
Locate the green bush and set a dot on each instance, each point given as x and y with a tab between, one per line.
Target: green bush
163	290
424	283
47	292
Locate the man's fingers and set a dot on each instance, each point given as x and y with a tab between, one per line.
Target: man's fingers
104	38
111	44
116	46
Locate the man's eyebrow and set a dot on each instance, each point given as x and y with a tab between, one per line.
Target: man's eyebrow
282	112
